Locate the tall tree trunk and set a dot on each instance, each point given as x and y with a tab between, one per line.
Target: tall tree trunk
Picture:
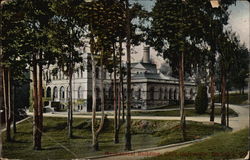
181	90
36	140
1	101
13	109
223	97
94	140
70	107
102	105
116	139
121	84
128	108
40	98
212	92
7	103
1	104
227	107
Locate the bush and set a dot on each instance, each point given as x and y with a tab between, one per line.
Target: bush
201	100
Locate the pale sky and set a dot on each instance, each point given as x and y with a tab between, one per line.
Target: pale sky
239	22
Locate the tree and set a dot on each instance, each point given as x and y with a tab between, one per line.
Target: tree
173	29
201	100
66	39
12	25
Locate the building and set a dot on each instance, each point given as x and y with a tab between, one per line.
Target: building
150	88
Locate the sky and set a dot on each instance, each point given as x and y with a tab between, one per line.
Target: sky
239	21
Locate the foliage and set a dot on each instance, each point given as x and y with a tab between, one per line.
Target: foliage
201	100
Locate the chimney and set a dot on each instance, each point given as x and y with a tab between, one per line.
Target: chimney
146	55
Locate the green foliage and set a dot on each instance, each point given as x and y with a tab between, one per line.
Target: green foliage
201	100
234	98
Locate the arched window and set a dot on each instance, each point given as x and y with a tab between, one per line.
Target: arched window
62	93
139	93
97	92
48	92
81	72
104	92
166	94
132	92
97	73
80	93
191	93
67	92
175	94
152	90
170	94
160	94
110	92
60	74
55	92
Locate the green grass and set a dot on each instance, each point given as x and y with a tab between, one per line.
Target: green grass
56	145
222	146
188	112
234	98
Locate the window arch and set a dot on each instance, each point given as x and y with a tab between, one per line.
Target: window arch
97	92
166	94
62	93
191	93
139	93
175	94
67	92
48	92
55	92
152	93
97	73
170	94
160	94
110	92
80	93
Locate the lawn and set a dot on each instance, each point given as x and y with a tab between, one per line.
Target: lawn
56	145
222	146
234	98
188	112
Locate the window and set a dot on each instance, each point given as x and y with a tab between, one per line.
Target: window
48	92
175	94
67	92
152	93
191	94
139	93
62	93
160	94
110	92
97	73
55	92
80	93
170	94
166	94
97	92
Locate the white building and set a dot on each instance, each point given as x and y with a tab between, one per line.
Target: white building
150	88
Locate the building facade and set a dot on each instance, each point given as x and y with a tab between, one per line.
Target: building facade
150	88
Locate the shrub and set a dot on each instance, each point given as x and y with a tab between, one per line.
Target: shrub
201	100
